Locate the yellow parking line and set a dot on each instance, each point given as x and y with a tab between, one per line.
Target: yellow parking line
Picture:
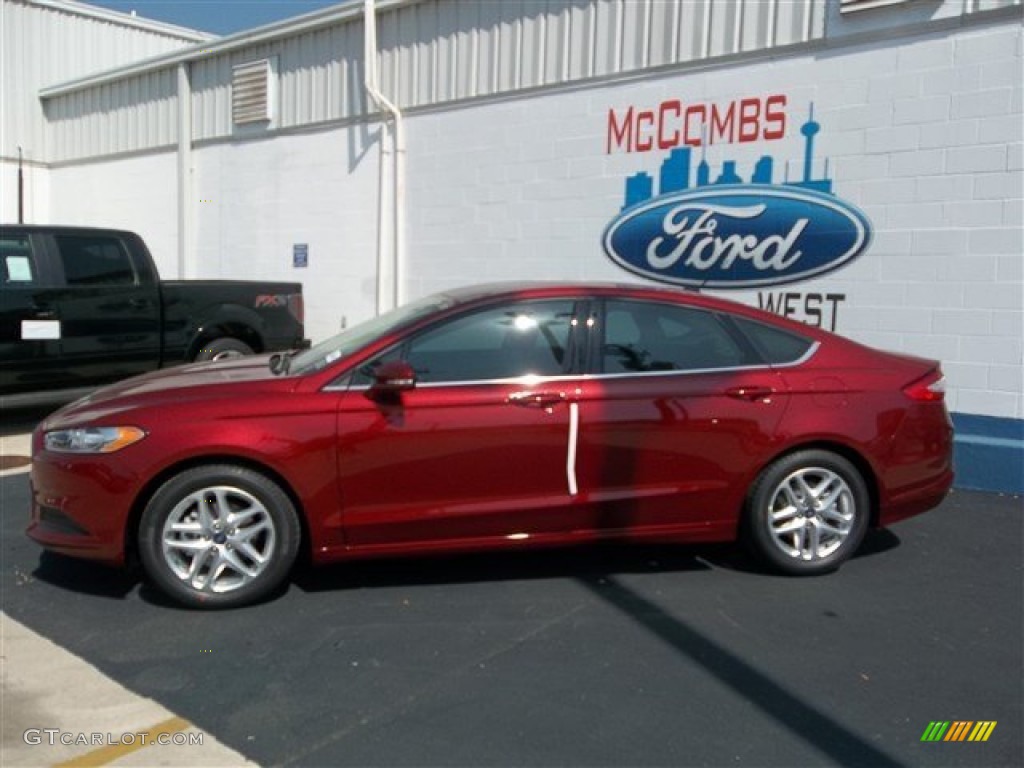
107	755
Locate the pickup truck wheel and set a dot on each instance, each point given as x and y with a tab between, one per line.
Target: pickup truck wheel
223	349
218	536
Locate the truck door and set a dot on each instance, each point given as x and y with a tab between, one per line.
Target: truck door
109	308
29	329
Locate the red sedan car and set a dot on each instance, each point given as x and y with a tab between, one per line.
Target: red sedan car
497	417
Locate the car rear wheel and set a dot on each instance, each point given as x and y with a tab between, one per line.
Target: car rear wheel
223	349
218	536
807	513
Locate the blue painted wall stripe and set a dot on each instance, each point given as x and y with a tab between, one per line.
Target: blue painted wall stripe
988	453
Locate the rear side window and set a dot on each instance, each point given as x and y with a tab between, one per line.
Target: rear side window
95	260
775	345
644	336
16	268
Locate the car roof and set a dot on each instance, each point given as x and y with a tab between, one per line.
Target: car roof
538	289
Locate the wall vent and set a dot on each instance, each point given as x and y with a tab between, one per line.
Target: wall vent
845	6
252	92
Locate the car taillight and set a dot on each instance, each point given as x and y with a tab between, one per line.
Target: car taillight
929	388
296	307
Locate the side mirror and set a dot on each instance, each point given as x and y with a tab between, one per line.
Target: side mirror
393	377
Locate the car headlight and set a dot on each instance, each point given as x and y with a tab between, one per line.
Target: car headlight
91	439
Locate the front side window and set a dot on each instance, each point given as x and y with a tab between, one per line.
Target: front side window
514	340
643	337
91	260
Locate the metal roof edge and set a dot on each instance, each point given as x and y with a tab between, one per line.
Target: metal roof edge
346	11
124	19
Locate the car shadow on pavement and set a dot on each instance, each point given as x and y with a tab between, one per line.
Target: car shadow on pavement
98	580
84	577
424	570
736	557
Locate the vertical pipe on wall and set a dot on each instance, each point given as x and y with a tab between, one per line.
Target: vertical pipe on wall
397	294
21	188
185	197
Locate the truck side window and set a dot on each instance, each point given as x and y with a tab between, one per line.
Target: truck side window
95	260
16	262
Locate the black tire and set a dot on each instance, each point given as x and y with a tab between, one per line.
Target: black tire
235	537
223	349
807	513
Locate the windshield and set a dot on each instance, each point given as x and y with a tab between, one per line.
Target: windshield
352	339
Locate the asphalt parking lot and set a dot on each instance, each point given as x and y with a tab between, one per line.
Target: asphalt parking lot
654	656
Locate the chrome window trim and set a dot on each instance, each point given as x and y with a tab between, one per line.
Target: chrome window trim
528	380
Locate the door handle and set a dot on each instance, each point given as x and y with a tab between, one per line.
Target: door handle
43	311
751	393
530	399
138	303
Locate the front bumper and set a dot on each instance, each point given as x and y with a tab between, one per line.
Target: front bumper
80	506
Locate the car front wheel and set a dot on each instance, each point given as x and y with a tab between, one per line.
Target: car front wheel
218	536
808	512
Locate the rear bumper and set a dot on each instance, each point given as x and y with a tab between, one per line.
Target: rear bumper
917	500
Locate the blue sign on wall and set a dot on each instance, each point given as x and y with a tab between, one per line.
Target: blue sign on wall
728	233
300	255
743	236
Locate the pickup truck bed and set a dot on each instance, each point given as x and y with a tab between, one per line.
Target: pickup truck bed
81	307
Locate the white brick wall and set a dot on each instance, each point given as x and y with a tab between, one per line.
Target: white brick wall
253	201
137	193
258	199
35	196
924	135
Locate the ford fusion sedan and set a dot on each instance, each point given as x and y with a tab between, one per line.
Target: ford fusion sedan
497	417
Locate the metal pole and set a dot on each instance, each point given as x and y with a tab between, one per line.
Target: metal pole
21	190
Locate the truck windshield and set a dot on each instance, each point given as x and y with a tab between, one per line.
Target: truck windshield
358	336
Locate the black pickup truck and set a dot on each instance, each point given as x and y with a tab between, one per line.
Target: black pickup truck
81	307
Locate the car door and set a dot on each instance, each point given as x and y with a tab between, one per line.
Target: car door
109	308
29	328
476	452
677	414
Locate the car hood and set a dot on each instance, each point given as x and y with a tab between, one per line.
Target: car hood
232	378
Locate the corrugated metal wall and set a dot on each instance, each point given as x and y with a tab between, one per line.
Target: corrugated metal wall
43	45
124	116
439	51
320	79
442	50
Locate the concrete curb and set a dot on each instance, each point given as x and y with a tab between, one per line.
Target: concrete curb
56	709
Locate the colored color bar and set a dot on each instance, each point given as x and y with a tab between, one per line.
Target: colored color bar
959	730
935	730
982	730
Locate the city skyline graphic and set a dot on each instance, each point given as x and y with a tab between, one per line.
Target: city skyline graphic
676	171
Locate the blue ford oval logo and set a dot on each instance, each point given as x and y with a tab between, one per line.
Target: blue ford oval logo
740	236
